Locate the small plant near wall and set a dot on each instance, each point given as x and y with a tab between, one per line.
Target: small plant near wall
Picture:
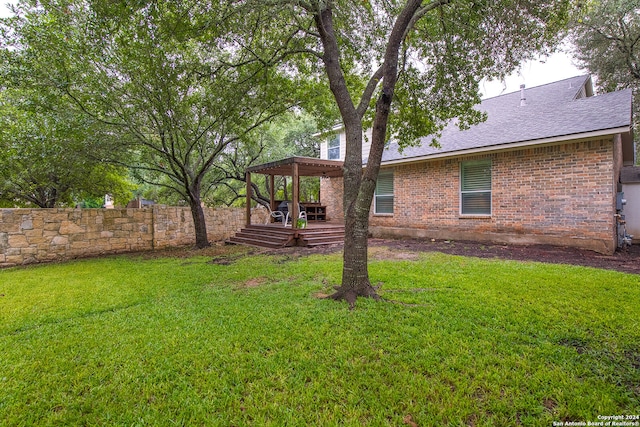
302	223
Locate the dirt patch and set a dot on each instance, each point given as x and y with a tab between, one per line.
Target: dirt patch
550	404
254	283
321	295
408	420
289	257
578	344
217	251
386	253
633	355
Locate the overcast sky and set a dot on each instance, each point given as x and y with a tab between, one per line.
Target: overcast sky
532	73
4	11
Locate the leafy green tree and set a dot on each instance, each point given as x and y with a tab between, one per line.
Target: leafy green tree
91	203
404	67
292	134
46	158
607	43
157	75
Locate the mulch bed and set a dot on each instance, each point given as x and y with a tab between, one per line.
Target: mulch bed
627	261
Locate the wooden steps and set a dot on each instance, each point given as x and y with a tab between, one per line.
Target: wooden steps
276	236
319	237
266	237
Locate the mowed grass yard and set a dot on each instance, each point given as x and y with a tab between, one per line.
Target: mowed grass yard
245	341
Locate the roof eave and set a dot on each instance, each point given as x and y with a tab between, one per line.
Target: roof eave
334	129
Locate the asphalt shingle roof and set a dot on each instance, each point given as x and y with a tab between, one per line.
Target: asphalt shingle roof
551	110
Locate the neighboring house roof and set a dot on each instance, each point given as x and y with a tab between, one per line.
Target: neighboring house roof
630	174
560	110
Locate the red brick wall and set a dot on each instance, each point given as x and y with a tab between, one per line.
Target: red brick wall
562	194
331	196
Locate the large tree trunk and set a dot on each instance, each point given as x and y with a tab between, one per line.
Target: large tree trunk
359	185
200	226
197	213
357	203
44	197
355	273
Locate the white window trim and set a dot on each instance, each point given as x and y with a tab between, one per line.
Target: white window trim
375	196
490	191
336	148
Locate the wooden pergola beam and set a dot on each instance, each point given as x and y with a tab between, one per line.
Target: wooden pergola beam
307	166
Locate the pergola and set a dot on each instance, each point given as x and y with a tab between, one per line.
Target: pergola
294	167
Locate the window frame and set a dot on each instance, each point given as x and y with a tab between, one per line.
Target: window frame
391	195
335	148
487	163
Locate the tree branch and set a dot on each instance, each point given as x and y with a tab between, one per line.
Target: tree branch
368	92
421	12
331	59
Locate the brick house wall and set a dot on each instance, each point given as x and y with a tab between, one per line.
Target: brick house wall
331	196
560	194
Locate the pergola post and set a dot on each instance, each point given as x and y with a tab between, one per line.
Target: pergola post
295	186
272	194
248	213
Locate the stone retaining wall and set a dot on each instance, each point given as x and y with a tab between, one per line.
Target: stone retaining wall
40	235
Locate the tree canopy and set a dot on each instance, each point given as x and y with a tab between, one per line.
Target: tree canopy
166	78
292	134
47	158
607	43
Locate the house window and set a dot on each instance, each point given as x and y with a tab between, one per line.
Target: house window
333	148
475	188
383	197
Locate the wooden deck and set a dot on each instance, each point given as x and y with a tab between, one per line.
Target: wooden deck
276	236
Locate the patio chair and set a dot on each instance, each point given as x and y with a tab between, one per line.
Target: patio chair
275	215
301	213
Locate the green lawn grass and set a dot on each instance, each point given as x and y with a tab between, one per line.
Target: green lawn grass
459	341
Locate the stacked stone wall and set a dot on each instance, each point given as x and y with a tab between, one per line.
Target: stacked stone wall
40	235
